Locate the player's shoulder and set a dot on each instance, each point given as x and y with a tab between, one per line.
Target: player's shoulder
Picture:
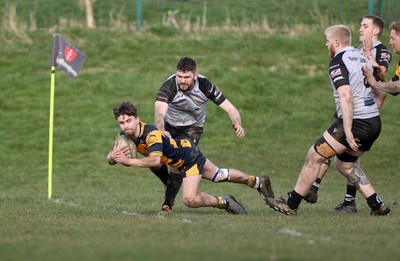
380	45
203	80
337	59
147	127
168	89
347	55
150	129
170	82
382	48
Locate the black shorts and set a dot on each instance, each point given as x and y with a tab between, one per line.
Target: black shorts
186	132
365	131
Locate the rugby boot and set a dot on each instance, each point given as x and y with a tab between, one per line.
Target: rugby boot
281	206
347	207
312	195
165	210
382	211
265	188
233	206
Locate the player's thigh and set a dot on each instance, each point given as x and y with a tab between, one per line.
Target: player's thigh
190	185
209	169
335	143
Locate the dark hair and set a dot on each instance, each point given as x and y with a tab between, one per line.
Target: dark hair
395	26
376	20
125	108
186	64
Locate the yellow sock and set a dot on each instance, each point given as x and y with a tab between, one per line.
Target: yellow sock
252	181
221	202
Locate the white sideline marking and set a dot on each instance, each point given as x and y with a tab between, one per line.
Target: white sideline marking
290	232
311	238
131	214
113	210
186	220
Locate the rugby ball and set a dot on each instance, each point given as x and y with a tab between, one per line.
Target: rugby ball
122	141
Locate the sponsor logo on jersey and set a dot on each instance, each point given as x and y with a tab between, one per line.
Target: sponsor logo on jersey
369	102
385	56
335	73
353	59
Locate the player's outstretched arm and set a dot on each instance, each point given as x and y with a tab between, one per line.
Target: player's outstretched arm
146	162
160	109
234	115
389	87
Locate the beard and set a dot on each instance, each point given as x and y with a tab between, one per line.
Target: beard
331	53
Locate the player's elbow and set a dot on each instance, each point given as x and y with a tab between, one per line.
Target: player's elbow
154	161
110	160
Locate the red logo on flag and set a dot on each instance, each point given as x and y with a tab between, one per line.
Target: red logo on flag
69	54
66	57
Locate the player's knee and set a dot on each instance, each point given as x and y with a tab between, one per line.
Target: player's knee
221	175
190	202
324	149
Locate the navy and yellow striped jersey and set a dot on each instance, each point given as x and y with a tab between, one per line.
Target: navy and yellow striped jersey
180	154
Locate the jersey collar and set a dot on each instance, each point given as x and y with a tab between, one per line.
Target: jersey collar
141	130
348	48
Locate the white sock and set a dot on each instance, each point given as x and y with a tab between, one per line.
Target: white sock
257	184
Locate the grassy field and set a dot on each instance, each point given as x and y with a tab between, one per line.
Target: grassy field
101	212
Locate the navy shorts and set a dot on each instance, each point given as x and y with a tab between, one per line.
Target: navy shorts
194	160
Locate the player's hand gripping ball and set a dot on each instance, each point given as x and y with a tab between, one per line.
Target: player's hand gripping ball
125	142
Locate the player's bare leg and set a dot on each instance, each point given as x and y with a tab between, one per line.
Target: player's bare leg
309	172
312	194
194	199
356	175
215	174
348	205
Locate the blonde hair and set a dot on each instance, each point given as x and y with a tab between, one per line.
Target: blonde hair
339	32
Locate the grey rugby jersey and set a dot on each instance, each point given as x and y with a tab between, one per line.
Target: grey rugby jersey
345	68
188	108
382	56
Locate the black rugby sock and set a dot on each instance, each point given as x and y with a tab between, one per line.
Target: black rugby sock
294	199
172	189
351	191
162	173
374	202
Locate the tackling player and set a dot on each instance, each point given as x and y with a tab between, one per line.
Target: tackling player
392	87
180	112
371	29
357	127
